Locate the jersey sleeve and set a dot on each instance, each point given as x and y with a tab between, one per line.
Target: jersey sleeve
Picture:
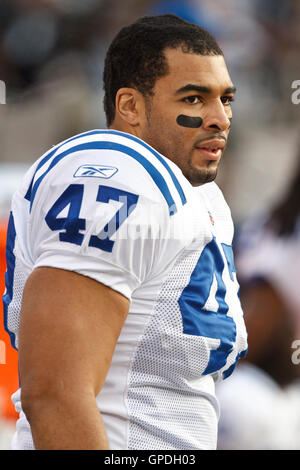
99	217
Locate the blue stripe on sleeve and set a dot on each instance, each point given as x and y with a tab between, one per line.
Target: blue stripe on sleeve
158	156
121	134
98	145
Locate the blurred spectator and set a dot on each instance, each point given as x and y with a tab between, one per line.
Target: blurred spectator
256	414
268	263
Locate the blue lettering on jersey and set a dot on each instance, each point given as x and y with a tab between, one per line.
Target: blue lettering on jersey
69	227
207	323
129	201
97	171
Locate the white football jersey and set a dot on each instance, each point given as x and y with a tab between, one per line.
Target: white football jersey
108	206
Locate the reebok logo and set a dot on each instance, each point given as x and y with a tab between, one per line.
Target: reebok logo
95	171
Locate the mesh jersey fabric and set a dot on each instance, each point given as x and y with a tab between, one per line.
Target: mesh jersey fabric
171	256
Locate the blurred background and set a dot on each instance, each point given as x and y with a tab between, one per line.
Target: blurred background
51	62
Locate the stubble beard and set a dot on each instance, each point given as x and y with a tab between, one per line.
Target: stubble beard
203	177
195	175
198	176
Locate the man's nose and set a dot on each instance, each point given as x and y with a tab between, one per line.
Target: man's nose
216	117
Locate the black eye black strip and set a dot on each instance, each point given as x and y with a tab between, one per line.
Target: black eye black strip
188	121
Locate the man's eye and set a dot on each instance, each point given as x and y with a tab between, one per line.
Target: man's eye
192	99
227	99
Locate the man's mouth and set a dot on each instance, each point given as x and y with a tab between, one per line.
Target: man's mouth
211	149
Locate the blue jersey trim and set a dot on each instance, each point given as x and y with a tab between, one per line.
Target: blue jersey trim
118	133
9	275
157	155
98	145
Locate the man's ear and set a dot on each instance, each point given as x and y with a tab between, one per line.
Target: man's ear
129	105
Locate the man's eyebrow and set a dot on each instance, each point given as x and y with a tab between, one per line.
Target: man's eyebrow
191	87
202	89
229	90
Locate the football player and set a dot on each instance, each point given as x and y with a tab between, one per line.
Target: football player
121	291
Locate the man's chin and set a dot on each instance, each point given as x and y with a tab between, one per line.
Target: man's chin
197	177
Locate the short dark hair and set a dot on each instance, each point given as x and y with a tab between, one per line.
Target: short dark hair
136	58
